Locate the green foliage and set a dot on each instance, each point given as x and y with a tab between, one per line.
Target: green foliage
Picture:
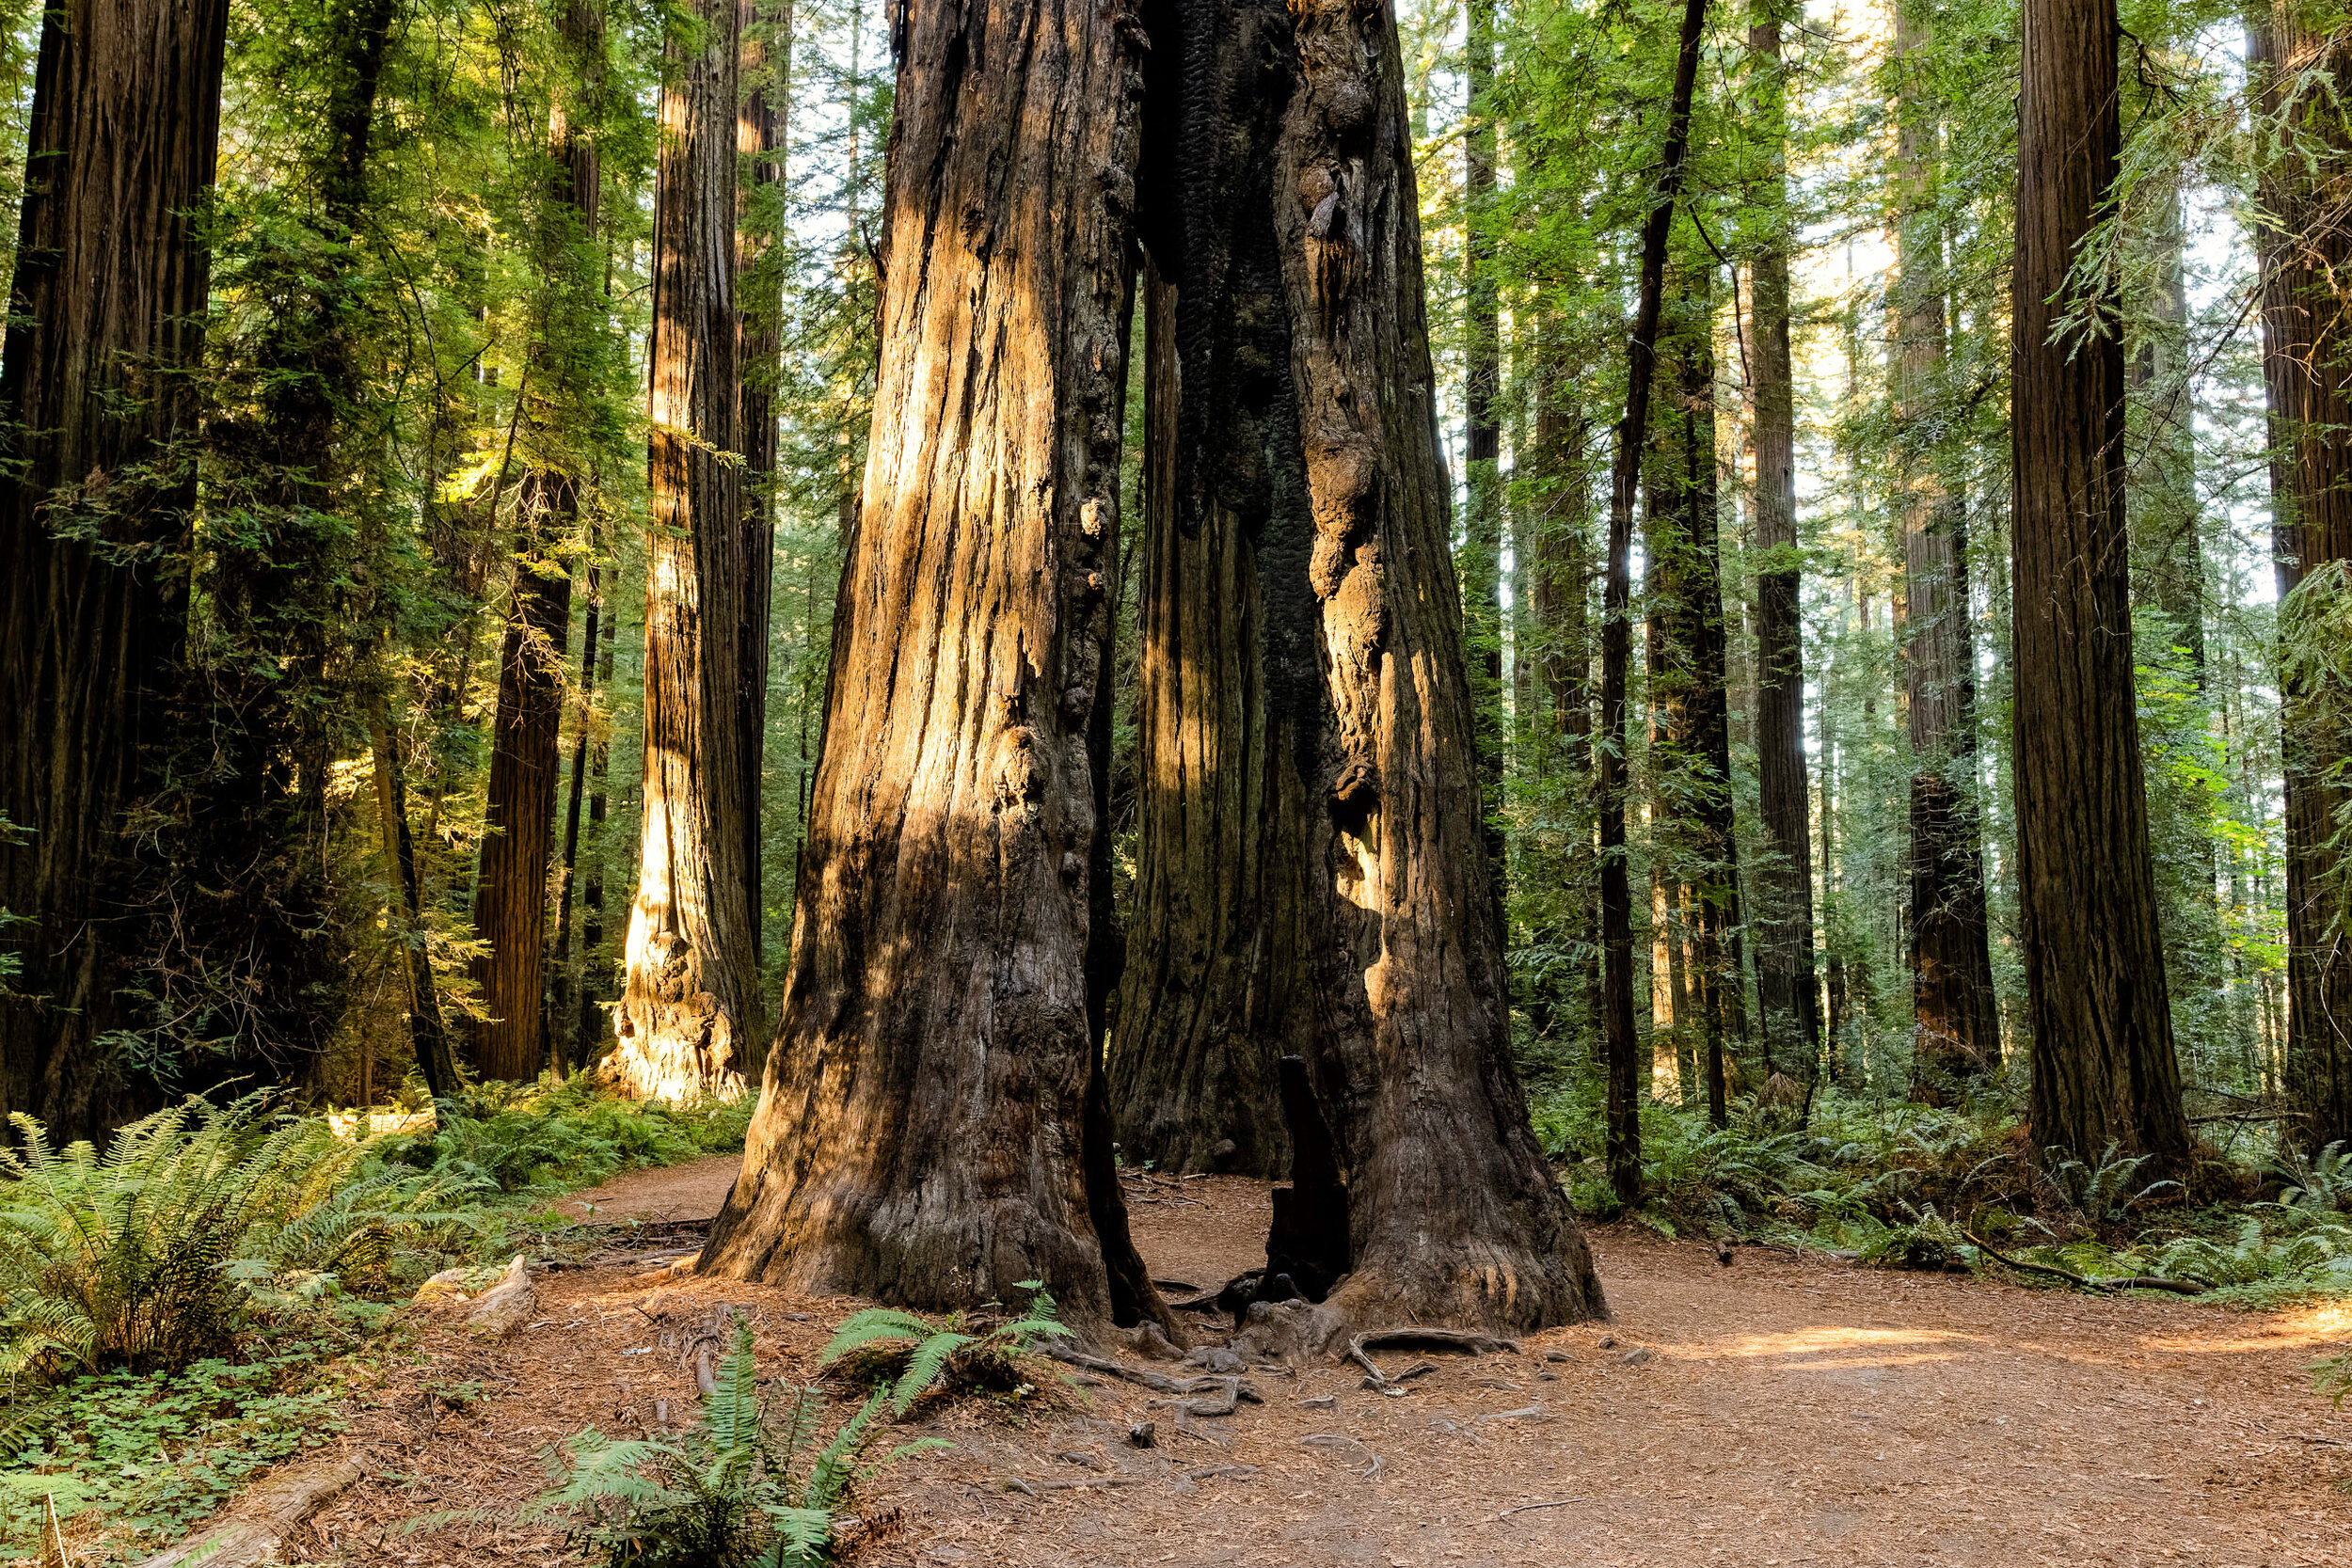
2103	1190
1926	1241
162	1250
918	1354
510	1138
2303	1258
738	1489
146	1455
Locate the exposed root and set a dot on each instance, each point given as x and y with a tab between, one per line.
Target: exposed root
1422	1338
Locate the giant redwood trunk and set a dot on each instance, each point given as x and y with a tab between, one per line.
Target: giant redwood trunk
1456	1216
1784	967
103	315
2305	252
2103	1068
924	1133
1956	1038
689	1020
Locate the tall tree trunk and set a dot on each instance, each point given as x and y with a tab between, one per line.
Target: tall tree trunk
1785	985
931	1129
1456	1215
1482	436
105	315
564	1001
2305	250
767	68
591	1027
689	1018
1616	645
1558	577
2103	1068
1956	1036
427	1036
2163	500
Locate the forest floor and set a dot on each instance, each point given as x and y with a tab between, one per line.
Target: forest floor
1777	1410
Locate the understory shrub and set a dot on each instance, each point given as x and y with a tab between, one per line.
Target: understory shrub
510	1137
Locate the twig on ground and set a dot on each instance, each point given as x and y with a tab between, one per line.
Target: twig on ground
1527	1508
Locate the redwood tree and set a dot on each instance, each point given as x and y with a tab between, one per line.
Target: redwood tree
2306	249
1957	1031
2104	1068
103	323
690	1020
924	1132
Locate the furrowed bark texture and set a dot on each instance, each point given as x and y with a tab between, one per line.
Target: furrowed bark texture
690	1017
1215	987
1783	971
1956	1038
110	281
924	1133
2103	1068
2304	242
1456	1215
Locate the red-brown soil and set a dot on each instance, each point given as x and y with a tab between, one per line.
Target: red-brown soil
1787	1411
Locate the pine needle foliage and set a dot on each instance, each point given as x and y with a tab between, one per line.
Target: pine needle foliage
742	1488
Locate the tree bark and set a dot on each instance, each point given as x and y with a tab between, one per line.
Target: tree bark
1784	983
1956	1032
690	1016
2305	248
1482	436
931	1130
105	315
1618	1045
2104	1068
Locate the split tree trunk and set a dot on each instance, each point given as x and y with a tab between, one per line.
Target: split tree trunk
105	314
931	1130
2303	247
1784	969
2104	1068
689	1018
1956	1037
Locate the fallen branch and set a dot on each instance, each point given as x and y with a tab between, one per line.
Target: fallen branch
2127	1282
1528	1508
1423	1339
259	1521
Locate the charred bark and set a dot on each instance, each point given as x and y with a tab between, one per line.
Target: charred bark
2104	1068
689	1018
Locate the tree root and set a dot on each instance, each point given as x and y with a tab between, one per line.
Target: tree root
1225	1385
2125	1282
1422	1339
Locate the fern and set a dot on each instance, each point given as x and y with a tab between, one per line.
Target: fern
941	1352
737	1488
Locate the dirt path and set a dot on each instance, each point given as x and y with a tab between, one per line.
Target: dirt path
1779	1411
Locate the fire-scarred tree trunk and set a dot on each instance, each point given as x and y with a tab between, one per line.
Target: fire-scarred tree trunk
689	1018
1783	969
1456	1215
931	1129
1956	1038
2103	1068
2306	249
105	310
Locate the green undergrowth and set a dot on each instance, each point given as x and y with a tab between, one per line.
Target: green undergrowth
1916	1187
185	1307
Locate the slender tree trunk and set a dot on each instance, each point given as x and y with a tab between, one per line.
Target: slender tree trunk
105	314
931	1129
1784	983
2104	1070
564	1004
1956	1036
1481	442
592	1027
1558	578
427	1036
690	1019
1616	648
2305	252
760	133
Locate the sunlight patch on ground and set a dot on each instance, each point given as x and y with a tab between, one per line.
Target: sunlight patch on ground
1894	1347
2304	1327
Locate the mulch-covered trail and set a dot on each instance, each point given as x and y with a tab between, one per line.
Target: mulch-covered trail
1776	1411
